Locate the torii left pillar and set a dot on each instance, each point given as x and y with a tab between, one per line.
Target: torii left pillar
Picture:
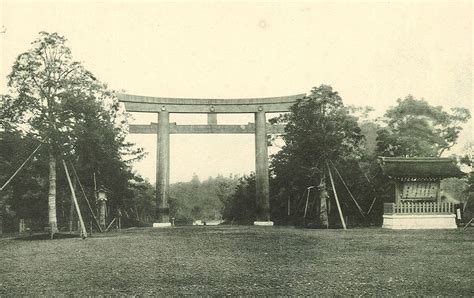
261	170
163	170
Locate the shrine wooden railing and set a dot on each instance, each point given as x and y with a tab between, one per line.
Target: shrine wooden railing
418	208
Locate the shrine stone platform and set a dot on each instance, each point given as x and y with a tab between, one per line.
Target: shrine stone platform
161	224
419	221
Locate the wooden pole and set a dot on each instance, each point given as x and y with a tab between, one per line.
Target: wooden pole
347	188
337	200
468	224
467	202
85	197
306	205
21	167
289	206
71	214
371	205
307	199
110	224
78	210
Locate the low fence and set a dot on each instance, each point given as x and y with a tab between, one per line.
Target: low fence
418	208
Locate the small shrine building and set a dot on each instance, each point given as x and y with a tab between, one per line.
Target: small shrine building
417	201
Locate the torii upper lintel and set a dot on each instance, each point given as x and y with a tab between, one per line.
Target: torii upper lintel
136	103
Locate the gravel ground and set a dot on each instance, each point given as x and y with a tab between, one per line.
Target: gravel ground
241	260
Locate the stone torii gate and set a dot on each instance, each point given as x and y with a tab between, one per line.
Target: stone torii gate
164	106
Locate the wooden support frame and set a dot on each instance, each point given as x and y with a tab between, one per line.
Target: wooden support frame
337	199
78	210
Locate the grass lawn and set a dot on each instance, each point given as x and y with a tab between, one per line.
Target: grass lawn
231	260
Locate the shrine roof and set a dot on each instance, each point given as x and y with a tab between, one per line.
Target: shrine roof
419	168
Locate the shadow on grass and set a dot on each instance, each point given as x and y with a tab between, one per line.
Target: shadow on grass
46	236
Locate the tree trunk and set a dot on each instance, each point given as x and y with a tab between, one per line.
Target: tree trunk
323	209
53	222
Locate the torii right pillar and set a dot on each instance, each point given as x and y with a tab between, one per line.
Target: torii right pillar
261	170
163	170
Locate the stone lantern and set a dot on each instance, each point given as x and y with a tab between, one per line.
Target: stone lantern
102	201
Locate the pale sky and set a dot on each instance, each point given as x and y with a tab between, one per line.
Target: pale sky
372	52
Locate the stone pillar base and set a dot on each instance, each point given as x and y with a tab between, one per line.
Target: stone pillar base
161	224
419	221
263	223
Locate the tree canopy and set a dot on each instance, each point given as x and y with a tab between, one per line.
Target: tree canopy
56	101
415	128
319	130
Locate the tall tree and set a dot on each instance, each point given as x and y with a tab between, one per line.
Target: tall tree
415	128
56	98
319	129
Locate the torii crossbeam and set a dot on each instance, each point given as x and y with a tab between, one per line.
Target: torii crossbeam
164	106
